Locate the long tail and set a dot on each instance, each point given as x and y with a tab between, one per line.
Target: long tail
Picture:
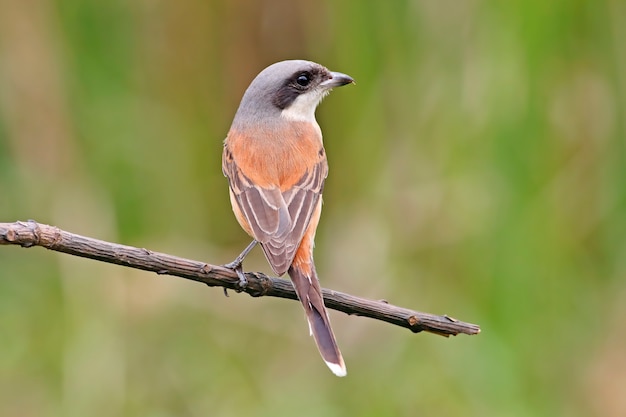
310	294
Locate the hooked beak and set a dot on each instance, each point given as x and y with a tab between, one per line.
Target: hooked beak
338	79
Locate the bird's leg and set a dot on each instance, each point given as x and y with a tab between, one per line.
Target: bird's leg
236	265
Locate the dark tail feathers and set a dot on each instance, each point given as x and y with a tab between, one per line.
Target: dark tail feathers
310	294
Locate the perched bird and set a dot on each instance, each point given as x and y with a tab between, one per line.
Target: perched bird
275	163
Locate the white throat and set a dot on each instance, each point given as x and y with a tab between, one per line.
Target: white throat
303	107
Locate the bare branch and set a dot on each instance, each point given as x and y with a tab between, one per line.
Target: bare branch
31	233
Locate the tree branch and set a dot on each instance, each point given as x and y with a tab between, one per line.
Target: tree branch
31	233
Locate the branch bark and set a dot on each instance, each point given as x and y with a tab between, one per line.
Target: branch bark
31	233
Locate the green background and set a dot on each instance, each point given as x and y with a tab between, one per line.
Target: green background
477	169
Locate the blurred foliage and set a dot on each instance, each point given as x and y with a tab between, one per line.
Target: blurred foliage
478	169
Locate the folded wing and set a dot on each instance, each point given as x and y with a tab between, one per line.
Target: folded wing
278	215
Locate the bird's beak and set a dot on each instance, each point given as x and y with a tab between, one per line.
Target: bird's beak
338	79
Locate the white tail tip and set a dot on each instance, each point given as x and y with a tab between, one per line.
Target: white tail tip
339	370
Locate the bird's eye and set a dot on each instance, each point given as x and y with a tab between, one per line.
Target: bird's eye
303	80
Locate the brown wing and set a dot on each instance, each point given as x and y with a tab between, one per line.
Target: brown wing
277	219
301	200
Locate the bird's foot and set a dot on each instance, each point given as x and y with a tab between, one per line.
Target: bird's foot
237	266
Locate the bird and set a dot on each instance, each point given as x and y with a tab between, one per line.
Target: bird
275	163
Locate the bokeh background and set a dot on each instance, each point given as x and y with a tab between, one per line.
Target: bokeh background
477	169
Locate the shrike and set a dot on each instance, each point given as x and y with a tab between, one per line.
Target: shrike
275	163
